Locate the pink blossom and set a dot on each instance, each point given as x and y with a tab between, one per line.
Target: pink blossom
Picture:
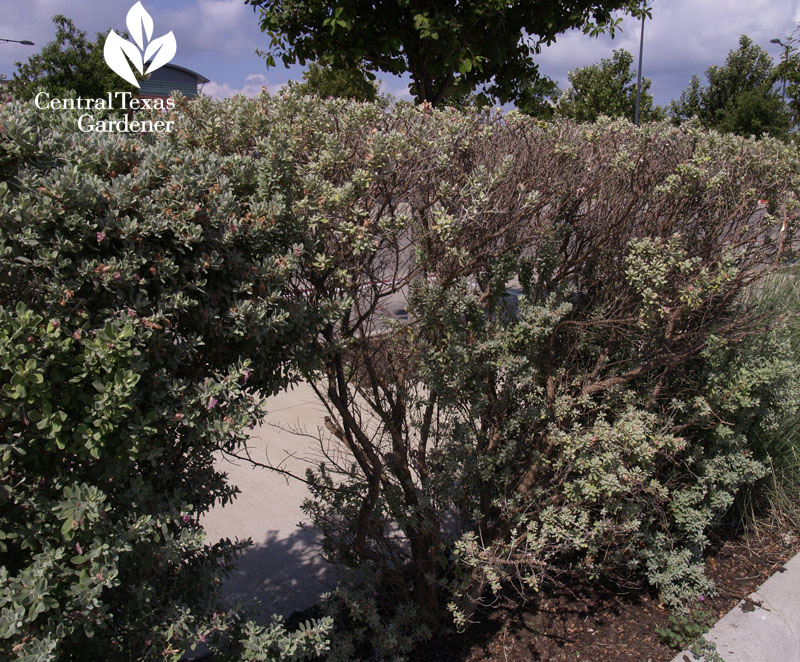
247	374
100	236
78	548
117	275
212	403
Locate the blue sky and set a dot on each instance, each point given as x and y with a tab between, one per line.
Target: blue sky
218	39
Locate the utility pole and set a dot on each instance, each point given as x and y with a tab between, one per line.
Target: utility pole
639	76
786	49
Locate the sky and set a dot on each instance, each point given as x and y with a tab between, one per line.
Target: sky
218	38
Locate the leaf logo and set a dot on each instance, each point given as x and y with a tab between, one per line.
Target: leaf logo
119	53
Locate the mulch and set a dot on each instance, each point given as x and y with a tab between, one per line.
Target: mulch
604	625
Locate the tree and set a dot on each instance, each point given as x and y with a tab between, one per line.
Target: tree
788	72
448	51
538	98
324	80
69	62
607	88
739	96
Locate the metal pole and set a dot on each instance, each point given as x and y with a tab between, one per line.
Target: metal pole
785	63
639	76
785	59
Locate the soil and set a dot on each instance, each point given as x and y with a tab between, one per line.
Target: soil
601	625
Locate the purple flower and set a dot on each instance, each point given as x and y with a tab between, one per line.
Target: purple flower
212	403
78	548
117	275
247	374
702	598
100	236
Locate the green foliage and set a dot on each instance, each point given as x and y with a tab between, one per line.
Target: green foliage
538	98
567	398
775	432
141	319
706	650
607	88
69	62
788	72
448	52
739	96
581	428
684	628
342	83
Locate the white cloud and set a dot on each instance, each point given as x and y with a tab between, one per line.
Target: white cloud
225	28
253	85
396	87
684	37
219	37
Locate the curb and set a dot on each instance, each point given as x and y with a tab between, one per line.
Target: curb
764	627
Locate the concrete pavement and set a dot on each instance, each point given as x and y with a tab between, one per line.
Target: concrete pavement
765	626
283	569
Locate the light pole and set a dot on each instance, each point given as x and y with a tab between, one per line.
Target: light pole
17	41
786	49
639	75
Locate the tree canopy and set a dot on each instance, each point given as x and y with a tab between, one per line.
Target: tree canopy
739	96
788	73
449	50
607	88
324	81
70	62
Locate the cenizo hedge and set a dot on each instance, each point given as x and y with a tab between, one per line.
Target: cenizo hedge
563	401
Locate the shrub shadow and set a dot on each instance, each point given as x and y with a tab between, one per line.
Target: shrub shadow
281	575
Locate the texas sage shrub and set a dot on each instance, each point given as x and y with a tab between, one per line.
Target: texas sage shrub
143	315
550	404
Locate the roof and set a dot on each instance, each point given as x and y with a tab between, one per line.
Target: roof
200	77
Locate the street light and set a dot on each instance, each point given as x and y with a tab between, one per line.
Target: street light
786	49
17	41
639	75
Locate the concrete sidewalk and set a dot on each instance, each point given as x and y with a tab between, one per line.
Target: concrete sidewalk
283	569
765	626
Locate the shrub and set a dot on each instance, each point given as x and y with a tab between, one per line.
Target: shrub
558	405
142	317
774	428
553	409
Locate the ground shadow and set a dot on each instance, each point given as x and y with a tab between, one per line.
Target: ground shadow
284	574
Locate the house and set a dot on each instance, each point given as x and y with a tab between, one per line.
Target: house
171	77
